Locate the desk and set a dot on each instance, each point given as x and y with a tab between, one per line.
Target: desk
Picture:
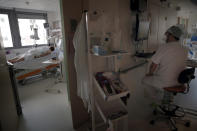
191	63
134	66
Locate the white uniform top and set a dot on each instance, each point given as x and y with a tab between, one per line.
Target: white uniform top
171	59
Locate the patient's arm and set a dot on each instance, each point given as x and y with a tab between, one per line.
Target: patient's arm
152	69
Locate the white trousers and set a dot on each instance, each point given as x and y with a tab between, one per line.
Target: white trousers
153	89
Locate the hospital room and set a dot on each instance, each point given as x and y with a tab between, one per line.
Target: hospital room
33	47
98	65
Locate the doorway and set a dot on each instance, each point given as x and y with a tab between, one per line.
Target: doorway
43	96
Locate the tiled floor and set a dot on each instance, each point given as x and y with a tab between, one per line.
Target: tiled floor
140	112
50	111
44	111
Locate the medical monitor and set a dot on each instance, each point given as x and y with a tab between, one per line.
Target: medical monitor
142	29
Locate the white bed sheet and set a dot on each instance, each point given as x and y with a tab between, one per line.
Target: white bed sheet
35	63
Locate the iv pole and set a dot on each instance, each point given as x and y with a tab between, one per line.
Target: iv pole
90	72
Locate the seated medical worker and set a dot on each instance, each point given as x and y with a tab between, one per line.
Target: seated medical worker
168	61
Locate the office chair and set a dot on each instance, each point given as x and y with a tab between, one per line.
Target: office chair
169	111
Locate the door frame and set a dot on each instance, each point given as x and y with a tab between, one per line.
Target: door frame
72	10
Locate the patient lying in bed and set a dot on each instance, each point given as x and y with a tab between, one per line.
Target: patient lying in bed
35	57
33	54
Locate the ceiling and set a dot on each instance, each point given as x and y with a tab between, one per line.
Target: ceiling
44	5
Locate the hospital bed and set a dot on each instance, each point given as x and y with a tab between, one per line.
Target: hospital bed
27	74
30	68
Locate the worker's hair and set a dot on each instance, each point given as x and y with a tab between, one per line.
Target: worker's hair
52	48
174	36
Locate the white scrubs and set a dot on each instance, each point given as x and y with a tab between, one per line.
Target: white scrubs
171	59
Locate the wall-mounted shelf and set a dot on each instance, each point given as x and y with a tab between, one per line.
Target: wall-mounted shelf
110	97
112	54
141	63
112	58
191	63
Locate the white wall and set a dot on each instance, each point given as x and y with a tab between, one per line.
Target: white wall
115	19
188	10
111	20
162	17
54	15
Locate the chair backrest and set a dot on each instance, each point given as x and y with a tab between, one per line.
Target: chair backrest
186	76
